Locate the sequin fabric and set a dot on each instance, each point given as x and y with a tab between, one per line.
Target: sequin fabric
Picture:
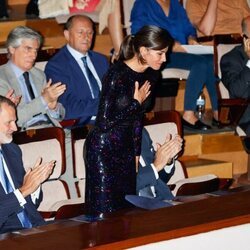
114	142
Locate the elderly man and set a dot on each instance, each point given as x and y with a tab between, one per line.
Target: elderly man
19	191
235	68
80	68
39	103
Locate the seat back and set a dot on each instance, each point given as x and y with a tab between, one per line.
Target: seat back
48	143
197	185
230	110
78	136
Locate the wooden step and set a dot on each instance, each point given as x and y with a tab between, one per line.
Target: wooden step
223	146
198	167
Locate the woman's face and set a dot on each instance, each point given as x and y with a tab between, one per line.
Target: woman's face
154	58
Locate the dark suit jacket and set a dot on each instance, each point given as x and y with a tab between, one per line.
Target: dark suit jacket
236	76
9	205
146	177
77	98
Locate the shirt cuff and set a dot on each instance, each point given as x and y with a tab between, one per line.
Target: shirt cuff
248	64
35	195
168	168
20	197
54	113
155	171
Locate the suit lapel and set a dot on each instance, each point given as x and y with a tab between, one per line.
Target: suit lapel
12	80
10	160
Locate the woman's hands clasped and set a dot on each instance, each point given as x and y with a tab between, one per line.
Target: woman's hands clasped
143	92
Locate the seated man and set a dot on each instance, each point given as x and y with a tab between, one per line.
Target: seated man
39	103
157	167
19	191
80	69
235	69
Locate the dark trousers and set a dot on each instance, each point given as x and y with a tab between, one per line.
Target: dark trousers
201	69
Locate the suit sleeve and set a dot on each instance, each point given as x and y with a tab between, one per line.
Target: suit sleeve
75	106
9	205
145	177
235	75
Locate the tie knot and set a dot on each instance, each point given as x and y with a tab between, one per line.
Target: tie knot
26	75
84	59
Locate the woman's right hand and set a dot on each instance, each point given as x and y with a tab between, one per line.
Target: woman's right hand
143	92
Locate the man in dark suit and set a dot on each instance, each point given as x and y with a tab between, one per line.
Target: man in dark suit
82	78
235	68
20	192
157	167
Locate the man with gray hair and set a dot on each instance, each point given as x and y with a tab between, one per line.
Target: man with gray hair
39	104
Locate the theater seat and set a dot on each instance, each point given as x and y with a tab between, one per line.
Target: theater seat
158	126
48	143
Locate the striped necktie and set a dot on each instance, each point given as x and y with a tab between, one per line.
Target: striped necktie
22	216
92	81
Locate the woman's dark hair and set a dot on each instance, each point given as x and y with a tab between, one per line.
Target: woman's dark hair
151	37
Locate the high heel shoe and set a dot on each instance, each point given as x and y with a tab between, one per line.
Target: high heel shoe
197	126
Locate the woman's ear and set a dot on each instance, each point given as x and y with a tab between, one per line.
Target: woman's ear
143	51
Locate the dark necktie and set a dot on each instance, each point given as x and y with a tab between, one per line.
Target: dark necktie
91	78
22	216
28	84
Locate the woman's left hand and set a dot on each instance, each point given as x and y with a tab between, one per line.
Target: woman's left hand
143	92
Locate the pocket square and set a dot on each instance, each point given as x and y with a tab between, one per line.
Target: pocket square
146	203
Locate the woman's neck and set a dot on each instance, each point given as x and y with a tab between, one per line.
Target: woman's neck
135	65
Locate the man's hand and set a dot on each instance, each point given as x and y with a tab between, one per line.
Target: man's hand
11	95
36	176
51	92
167	151
246	42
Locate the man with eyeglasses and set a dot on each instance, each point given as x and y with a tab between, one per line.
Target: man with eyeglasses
80	69
235	68
39	106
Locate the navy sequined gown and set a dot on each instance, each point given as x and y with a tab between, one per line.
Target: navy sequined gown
114	142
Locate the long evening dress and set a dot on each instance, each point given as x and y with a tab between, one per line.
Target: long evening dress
114	142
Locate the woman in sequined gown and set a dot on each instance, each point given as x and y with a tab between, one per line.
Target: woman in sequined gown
113	146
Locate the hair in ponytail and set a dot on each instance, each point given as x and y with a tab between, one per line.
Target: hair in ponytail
149	36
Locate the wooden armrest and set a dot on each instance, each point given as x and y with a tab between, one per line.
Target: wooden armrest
69	123
48	214
205	39
70	210
225	183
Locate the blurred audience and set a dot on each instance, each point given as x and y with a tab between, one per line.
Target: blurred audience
235	68
170	15
31	11
217	16
39	104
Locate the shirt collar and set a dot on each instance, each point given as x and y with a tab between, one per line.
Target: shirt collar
18	72
76	54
